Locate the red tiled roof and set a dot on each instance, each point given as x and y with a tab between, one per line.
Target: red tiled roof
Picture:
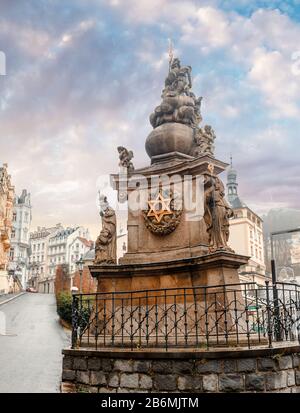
86	242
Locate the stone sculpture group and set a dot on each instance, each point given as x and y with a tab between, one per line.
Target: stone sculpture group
179	106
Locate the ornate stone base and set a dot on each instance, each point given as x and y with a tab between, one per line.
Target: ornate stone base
208	270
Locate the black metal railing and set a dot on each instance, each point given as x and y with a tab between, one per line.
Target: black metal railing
199	317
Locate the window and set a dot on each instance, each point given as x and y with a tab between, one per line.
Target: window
251	250
12	254
13	233
34	247
14	216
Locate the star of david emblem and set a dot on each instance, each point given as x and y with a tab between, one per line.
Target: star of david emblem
159	207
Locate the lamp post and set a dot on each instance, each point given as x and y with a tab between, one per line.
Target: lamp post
80	269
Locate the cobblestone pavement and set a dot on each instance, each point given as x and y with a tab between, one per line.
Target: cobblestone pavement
30	350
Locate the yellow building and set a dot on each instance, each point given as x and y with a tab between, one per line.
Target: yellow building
6	212
246	233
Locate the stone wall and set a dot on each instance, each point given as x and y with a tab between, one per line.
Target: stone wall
263	370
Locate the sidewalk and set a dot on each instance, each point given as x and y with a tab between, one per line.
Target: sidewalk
7	297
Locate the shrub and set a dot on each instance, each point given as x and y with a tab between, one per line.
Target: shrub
64	309
64	306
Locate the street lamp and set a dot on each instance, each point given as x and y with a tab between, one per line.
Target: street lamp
79	265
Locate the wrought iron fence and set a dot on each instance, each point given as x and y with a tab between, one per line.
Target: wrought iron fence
199	317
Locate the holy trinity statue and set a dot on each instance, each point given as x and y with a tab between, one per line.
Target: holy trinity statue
106	244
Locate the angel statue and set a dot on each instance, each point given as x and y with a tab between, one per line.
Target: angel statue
125	157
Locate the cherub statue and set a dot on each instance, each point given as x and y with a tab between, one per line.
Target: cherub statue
125	157
204	141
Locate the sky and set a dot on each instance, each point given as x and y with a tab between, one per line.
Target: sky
82	78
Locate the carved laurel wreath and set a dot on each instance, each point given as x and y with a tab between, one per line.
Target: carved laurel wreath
166	220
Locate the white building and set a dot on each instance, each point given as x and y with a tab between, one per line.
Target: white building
246	234
77	249
66	246
19	250
38	263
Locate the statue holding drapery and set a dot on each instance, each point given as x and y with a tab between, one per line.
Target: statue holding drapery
216	212
106	244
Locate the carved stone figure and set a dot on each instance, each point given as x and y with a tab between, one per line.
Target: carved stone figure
125	157
179	104
178	80
106	244
204	141
216	212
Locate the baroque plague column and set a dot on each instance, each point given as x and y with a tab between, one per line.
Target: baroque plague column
170	243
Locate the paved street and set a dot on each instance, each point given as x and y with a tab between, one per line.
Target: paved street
30	352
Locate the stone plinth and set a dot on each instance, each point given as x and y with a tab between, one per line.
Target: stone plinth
190	238
190	299
207	270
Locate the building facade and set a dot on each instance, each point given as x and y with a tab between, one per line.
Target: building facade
246	234
65	247
6	214
38	261
20	246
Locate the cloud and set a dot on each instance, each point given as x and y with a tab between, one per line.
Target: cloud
83	78
271	73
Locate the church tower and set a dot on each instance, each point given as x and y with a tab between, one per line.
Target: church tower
232	188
